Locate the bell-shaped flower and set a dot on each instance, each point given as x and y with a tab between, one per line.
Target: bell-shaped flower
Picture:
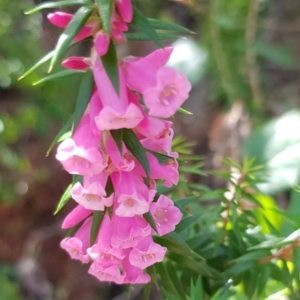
141	72
111	273
80	154
166	171
166	216
78	214
76	246
131	194
128	232
134	275
102	252
119	162
171	90
92	196
146	253
117	112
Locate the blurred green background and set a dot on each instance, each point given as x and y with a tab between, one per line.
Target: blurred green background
244	64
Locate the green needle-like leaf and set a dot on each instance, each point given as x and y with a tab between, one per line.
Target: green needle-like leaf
110	64
162	158
57	4
62	135
148	217
84	95
64	73
105	9
141	36
98	217
117	135
141	22
65	39
135	147
64	199
164	25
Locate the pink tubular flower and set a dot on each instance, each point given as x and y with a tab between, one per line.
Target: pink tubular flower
134	275
117	112
141	72
80	155
76	63
76	246
128	232
171	90
111	273
165	214
146	253
62	19
125	10
131	195
78	214
101	42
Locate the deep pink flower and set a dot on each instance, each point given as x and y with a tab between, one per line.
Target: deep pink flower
62	19
171	90
165	214
101	42
76	63
125	9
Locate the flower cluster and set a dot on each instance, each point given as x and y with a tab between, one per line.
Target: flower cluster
148	92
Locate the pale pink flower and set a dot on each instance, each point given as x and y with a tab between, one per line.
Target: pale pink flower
111	273
128	232
80	154
78	214
92	197
76	246
146	253
171	90
165	214
132	195
134	275
141	72
117	112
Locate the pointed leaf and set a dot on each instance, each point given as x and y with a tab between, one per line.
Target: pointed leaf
110	64
38	64
98	217
186	222
151	271
64	199
141	36
63	134
135	147
184	111
105	9
61	74
164	25
56	4
141	22
148	217
65	39
117	135
197	291
162	158
83	98
166	281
